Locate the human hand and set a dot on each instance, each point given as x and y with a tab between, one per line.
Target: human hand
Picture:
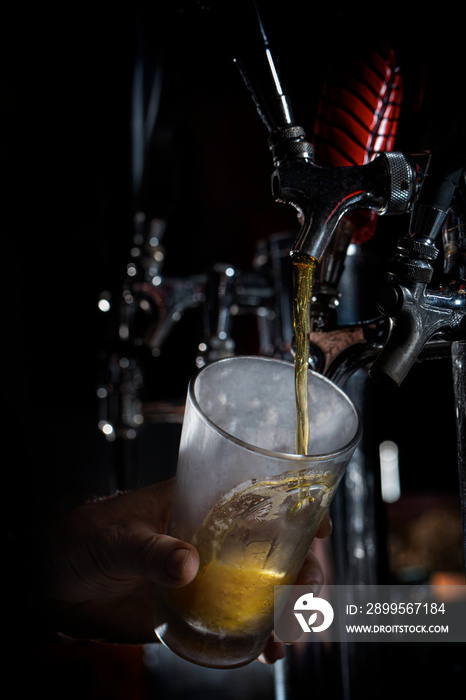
103	566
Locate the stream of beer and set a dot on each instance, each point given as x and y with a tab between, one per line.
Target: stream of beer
303	278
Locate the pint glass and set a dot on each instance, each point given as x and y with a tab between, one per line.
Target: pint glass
249	504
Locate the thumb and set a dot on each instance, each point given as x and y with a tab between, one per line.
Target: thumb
166	560
180	561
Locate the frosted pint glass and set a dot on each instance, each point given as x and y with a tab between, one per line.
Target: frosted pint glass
247	502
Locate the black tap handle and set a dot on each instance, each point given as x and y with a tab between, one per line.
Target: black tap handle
441	180
443	175
252	54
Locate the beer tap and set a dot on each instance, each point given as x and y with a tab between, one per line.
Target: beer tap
321	195
418	312
220	300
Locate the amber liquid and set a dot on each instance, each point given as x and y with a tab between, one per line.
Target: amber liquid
229	598
250	542
303	279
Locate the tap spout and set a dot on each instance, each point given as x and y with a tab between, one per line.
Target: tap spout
419	315
323	195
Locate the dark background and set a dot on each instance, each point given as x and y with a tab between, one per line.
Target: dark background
69	193
68	199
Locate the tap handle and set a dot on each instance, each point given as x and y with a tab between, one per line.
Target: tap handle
416	252
442	177
253	57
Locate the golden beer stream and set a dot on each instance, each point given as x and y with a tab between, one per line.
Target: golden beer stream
303	279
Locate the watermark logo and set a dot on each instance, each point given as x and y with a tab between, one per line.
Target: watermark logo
360	613
310	603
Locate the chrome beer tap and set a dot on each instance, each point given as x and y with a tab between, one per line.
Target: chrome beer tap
321	195
418	312
152	304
